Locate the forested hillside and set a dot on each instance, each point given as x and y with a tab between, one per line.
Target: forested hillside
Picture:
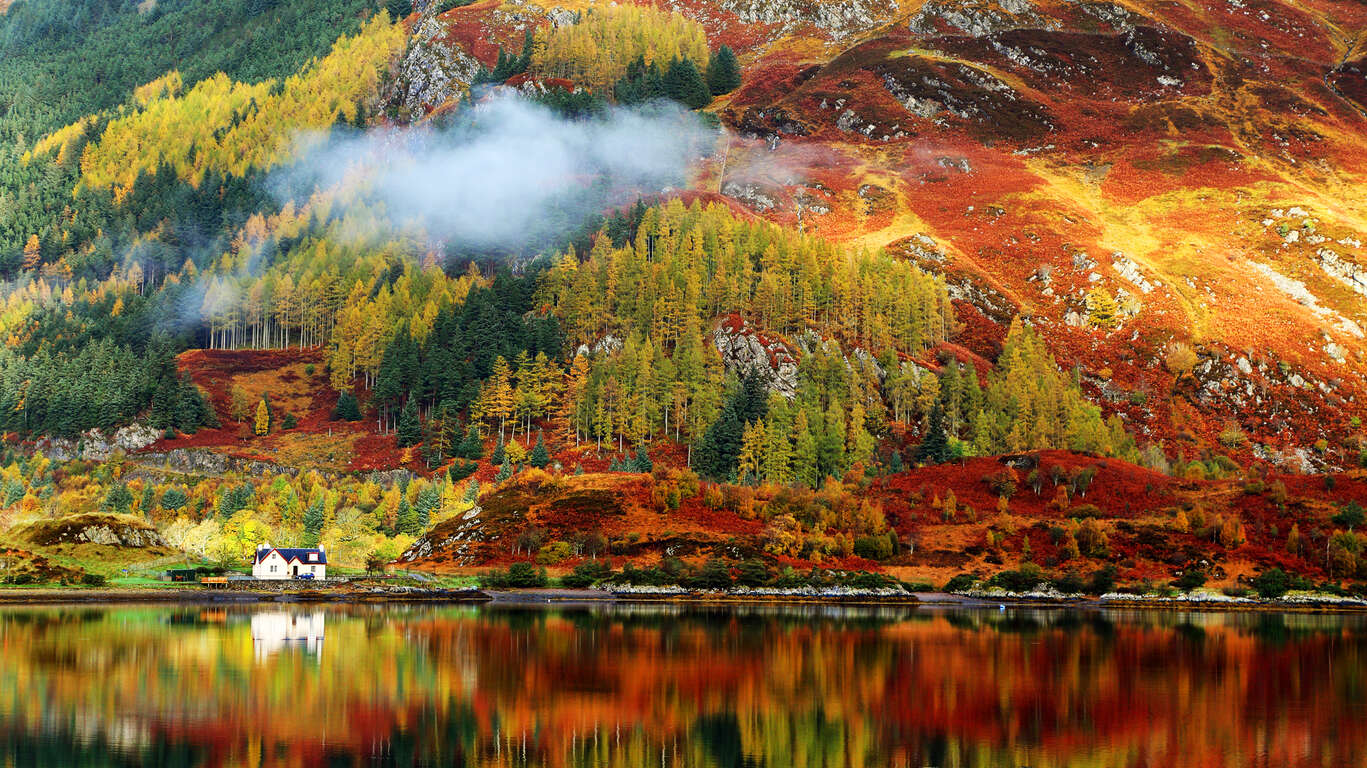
819	341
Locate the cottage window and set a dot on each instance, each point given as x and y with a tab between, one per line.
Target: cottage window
313	557
272	569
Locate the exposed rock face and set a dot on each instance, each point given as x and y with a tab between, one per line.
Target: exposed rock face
744	349
109	530
452	538
839	19
977	18
95	446
433	71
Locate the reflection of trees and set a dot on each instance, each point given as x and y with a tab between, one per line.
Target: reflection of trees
653	684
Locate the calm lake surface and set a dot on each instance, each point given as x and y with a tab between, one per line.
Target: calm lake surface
671	686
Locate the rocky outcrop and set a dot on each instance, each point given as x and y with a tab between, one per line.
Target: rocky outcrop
106	529
975	18
744	349
94	445
434	70
840	20
452	538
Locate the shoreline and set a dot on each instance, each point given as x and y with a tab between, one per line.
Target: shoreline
40	596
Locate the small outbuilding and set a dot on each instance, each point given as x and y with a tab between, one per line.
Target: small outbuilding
289	563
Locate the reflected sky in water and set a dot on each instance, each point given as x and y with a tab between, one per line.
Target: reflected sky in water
660	685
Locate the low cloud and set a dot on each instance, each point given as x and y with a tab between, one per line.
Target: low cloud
507	173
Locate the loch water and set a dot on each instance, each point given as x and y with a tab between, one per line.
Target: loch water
667	685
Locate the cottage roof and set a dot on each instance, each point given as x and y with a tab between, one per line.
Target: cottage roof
291	554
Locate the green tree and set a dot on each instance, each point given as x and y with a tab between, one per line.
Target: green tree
410	429
684	84
118	499
406	519
313	520
539	456
723	71
426	505
934	447
347	407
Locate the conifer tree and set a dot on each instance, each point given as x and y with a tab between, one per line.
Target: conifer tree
426	505
934	447
539	457
500	454
684	84
472	447
410	428
406	519
505	471
347	407
723	71
313	520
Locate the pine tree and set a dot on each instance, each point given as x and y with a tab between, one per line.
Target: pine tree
539	456
723	71
471	447
347	407
500	454
426	505
410	428
472	491
406	520
685	85
505	471
934	447
313	520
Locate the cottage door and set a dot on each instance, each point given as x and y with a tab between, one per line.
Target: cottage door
296	571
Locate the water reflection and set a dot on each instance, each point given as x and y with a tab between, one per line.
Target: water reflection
274	631
653	685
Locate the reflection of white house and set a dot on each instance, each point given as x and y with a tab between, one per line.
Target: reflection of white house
278	630
286	563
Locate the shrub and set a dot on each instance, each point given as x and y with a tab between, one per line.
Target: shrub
521	576
1350	515
753	573
1274	583
961	583
1235	591
1069	584
867	580
553	553
1192	578
1085	511
93	579
1002	484
1101	581
715	575
587	574
1023	580
461	470
873	547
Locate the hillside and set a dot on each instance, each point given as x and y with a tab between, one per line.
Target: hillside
847	284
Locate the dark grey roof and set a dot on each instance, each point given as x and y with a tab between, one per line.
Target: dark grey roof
291	553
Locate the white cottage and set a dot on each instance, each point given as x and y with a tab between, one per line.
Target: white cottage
289	563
